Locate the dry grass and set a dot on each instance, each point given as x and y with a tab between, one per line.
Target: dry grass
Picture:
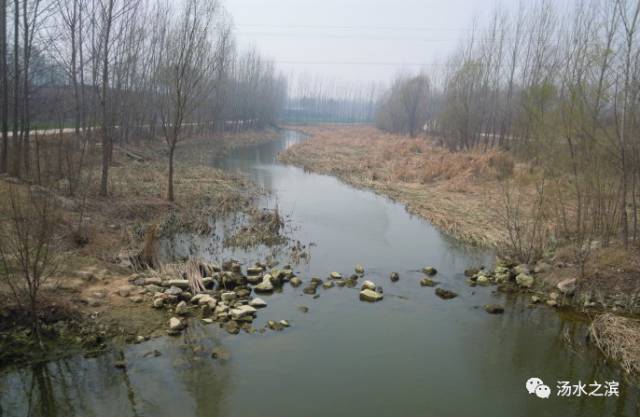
619	339
137	189
458	192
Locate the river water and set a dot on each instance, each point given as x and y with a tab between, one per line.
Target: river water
411	354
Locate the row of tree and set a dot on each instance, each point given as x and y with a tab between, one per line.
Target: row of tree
561	87
406	107
318	99
114	71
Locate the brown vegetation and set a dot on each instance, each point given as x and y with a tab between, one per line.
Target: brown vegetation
456	191
619	339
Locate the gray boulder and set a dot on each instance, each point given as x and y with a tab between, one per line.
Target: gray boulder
265	286
370	295
429	270
368	285
176	324
242	311
445	294
257	303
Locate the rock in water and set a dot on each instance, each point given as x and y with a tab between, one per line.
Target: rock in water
445	294
257	303
368	285
336	275
242	311
482	280
175	324
359	269
494	309
273	325
524	280
395	277
310	289
285	323
328	284
232	327
370	295
265	286
429	270
428	282
295	282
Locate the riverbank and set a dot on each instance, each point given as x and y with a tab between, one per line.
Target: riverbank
85	304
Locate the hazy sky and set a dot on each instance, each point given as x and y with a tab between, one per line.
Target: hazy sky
355	40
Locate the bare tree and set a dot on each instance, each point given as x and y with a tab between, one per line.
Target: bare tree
4	86
404	109
27	247
184	74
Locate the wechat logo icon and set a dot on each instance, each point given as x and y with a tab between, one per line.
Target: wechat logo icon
537	387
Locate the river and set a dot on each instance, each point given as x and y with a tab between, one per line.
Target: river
412	354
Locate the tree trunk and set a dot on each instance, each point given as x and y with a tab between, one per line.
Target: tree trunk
16	90
26	116
170	195
106	134
4	86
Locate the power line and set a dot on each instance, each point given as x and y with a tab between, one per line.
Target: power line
358	37
346	27
395	64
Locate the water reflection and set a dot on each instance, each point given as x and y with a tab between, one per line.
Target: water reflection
183	380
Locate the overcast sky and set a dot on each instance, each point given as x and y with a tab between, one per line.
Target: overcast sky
355	41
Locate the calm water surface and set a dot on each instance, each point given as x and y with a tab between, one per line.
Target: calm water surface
412	354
